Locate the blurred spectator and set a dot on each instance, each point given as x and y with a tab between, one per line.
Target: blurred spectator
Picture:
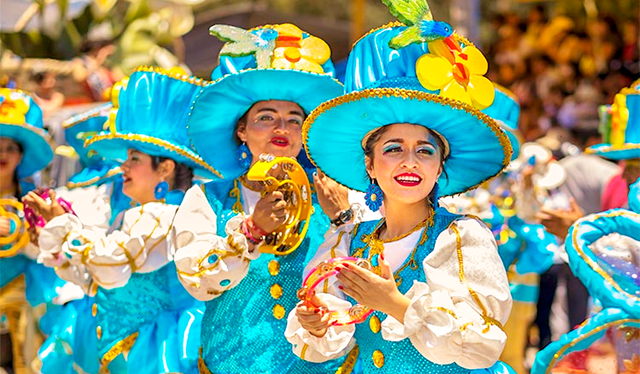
45	94
91	70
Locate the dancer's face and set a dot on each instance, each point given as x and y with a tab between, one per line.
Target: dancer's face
140	178
10	157
273	127
406	163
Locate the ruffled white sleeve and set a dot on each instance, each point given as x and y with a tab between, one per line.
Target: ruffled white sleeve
209	264
338	340
456	316
141	245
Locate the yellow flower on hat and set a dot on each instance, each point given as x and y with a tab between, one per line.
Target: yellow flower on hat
457	73
12	111
294	51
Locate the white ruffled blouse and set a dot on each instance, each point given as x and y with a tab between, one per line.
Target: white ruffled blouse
209	264
455	317
84	253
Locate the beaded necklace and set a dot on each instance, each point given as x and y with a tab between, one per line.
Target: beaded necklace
376	245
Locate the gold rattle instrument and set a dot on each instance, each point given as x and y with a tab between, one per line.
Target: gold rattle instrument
286	175
14	211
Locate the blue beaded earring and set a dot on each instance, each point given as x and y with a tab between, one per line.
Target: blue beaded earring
244	156
161	190
373	196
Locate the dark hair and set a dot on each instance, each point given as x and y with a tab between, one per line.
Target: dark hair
377	134
16	180
182	174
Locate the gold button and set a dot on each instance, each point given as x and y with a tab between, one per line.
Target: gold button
94	309
378	359
278	311
276	291
374	324
274	267
99	332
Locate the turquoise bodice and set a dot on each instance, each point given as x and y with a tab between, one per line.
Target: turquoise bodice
381	356
122	311
243	329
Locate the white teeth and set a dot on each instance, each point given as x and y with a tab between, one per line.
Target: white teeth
408	179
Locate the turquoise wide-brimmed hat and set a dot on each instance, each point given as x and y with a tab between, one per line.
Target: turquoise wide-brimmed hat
275	62
438	85
620	126
79	128
149	114
506	111
21	120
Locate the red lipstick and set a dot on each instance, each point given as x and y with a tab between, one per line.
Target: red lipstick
280	141
408	179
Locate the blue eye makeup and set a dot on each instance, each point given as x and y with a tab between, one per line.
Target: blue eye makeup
428	150
391	148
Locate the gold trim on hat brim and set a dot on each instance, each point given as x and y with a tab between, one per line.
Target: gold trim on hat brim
158	142
379	93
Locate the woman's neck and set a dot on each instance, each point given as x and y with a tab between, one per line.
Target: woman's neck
7	186
402	218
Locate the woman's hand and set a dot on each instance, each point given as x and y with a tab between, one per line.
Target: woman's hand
48	211
333	197
269	213
315	320
5	226
376	292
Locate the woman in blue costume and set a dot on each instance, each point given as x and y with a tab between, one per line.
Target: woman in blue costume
96	197
259	104
25	148
145	321
604	253
407	131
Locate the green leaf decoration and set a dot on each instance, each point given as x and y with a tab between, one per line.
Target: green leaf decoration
409	12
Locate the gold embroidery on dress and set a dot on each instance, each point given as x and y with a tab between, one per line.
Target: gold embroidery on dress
349	362
235	193
487	319
122	346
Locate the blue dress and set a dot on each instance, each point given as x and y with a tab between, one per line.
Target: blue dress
243	329
151	319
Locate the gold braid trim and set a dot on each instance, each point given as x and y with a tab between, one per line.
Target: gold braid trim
202	367
158	142
382	93
304	351
172	74
349	362
79	118
235	193
580	338
123	345
487	319
613	148
113	172
592	264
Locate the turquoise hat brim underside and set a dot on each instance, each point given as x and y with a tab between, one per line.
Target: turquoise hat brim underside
627	152
36	144
613	290
582	337
114	147
94	175
220	105
479	149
